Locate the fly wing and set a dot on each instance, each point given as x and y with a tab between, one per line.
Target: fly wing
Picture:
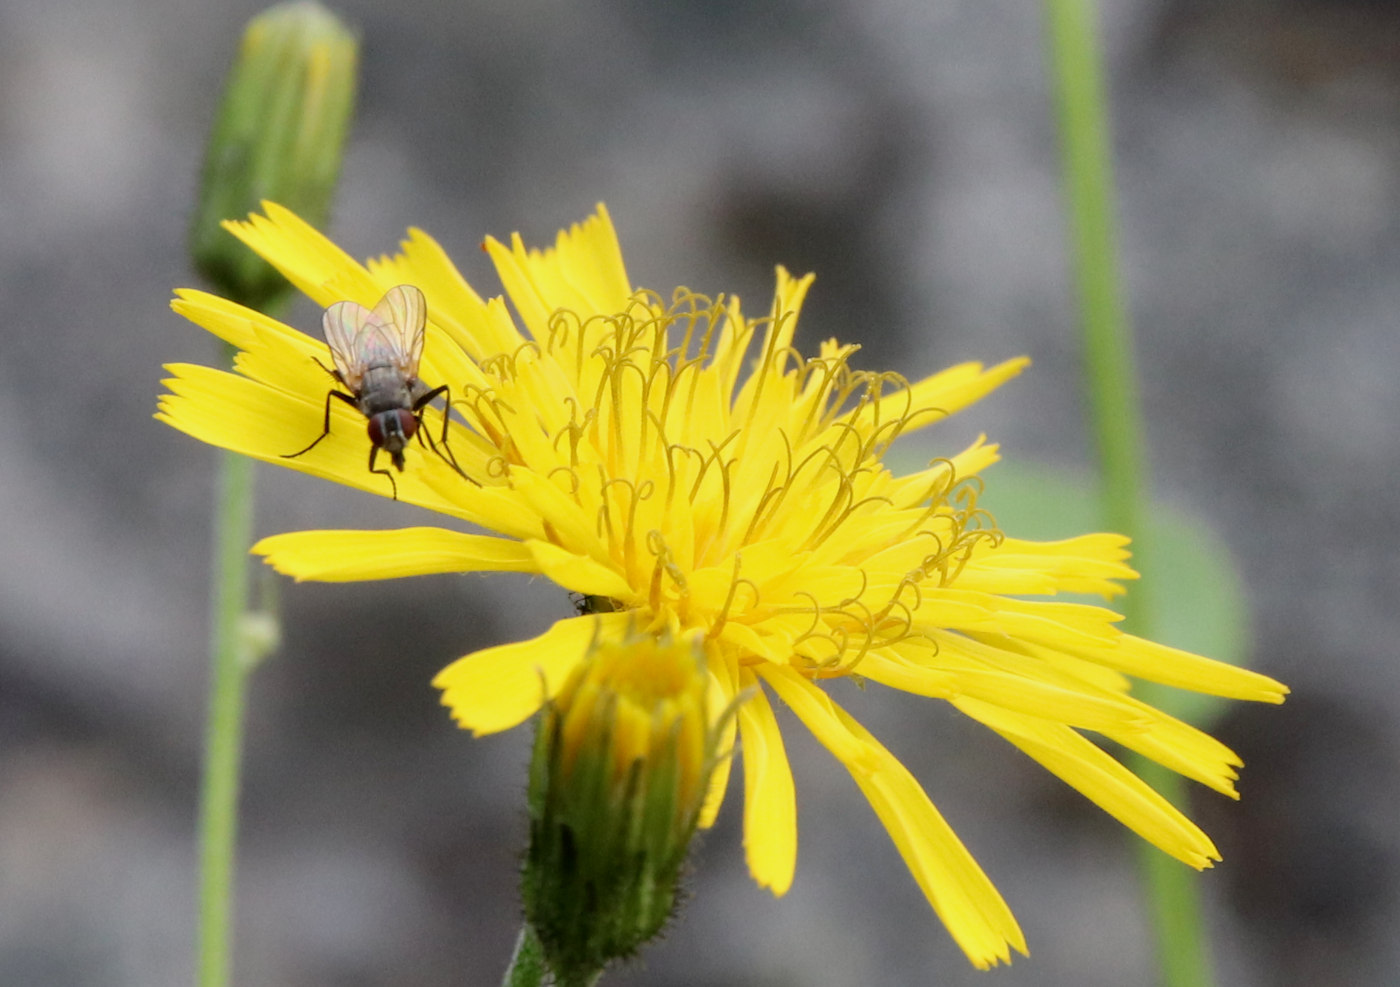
401	316
343	323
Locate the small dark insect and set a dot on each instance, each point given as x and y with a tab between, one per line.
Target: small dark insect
586	603
376	354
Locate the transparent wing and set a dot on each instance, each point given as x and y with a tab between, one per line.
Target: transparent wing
342	324
401	316
379	345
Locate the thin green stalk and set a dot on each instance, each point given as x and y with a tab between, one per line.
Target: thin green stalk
218	822
1171	889
279	135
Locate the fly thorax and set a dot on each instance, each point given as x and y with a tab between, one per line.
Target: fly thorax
383	388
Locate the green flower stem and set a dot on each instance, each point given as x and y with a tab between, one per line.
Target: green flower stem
1172	892
237	642
279	134
218	823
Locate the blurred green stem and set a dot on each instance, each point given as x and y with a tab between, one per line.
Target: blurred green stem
1081	105
229	666
237	644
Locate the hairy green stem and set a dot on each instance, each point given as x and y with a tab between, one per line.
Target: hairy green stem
1171	889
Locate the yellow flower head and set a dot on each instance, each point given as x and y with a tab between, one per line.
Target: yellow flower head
678	458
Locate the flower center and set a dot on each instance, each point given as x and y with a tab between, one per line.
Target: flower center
721	497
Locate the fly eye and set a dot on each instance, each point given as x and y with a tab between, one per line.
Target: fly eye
392	429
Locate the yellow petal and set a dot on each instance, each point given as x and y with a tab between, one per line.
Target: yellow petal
723	689
788	296
589	258
1073	627
1087	564
960	892
897	672
571	524
578	573
1101	779
583	272
501	687
957	387
770	801
748	641
307	257
1034	660
346	556
1186	750
231	322
1172	666
233	412
913	489
1078	707
935	398
452	302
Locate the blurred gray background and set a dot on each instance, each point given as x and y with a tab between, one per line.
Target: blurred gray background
903	150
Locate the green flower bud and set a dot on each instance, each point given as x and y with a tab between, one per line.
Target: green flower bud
279	135
621	765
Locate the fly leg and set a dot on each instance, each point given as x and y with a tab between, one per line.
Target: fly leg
325	423
393	485
445	452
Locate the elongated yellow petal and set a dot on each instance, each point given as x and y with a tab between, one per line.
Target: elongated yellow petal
959	891
348	556
954	389
1071	627
318	268
1186	750
1035	661
497	688
1088	564
233	323
724	689
935	398
236	413
452	302
1101	779
1172	666
770	801
582	272
578	573
1081	708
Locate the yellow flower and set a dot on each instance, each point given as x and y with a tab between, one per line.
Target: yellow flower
681	460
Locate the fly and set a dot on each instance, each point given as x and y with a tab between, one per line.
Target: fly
376	353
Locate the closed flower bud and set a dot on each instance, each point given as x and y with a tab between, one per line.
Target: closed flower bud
279	136
621	764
